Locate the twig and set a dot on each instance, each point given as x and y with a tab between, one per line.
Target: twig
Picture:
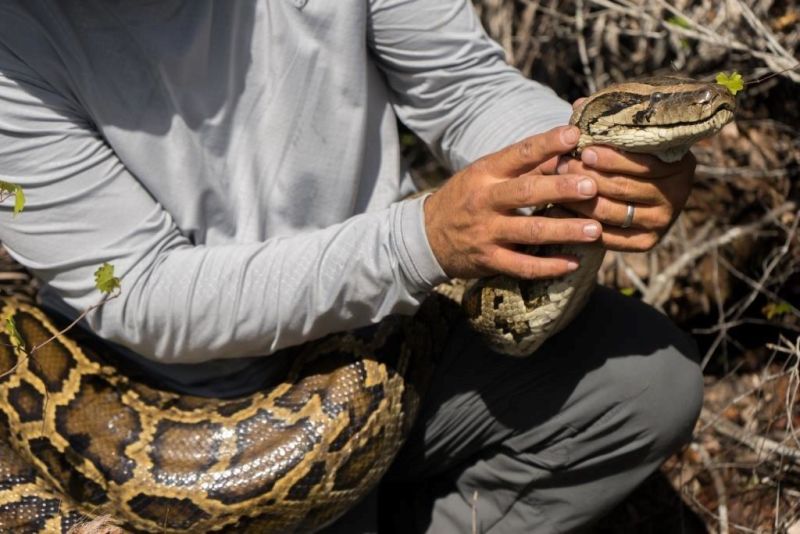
662	279
619	259
757	443
719	487
579	27
776	62
757	286
727	325
29	353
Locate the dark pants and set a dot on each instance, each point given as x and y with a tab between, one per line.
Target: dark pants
547	443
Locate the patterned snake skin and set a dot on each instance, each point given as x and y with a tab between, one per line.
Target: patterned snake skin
80	439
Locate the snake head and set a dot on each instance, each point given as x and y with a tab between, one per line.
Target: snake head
662	115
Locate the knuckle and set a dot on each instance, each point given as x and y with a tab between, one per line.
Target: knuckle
488	258
647	241
482	166
657	219
473	203
526	149
527	190
536	229
532	269
664	219
566	187
623	188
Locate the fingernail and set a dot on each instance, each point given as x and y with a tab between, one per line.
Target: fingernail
586	187
572	265
570	135
589	157
591	230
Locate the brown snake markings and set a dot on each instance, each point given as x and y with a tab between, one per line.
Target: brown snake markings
78	439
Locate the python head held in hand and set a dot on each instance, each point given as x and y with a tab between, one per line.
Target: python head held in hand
661	115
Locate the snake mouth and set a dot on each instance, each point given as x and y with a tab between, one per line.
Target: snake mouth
724	111
722	114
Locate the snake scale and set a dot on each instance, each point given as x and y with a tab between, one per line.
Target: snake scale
78	438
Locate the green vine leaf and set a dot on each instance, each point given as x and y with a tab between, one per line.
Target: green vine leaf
104	279
7	189
734	82
16	340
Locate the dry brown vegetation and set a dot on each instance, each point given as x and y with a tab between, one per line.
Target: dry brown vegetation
729	270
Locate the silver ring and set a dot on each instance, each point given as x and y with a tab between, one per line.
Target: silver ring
628	216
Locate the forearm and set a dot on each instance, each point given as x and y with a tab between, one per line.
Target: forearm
200	303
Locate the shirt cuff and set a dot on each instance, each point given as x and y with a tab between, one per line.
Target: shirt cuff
417	260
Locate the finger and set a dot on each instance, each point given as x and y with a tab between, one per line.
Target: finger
548	167
614	213
625	188
538	190
521	265
629	239
523	230
607	159
521	157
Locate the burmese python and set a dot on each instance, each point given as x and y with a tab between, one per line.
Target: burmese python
78	438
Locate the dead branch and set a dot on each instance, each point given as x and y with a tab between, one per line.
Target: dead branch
655	294
759	444
719	487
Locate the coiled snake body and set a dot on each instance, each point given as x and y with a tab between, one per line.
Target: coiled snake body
78	438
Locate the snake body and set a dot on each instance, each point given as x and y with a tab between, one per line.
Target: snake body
78	438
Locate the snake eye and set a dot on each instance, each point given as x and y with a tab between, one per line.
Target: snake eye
657	97
705	97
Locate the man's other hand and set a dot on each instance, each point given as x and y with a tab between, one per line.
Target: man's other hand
473	222
657	190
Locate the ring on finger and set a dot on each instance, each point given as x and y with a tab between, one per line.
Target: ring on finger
629	216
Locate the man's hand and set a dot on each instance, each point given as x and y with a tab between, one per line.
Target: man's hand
472	222
657	190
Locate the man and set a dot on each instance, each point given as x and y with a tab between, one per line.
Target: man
238	163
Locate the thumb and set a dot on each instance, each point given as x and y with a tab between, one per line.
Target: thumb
523	156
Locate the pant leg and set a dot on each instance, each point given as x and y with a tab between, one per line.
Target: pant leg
549	442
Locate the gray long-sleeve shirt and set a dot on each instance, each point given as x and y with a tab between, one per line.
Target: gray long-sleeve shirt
237	161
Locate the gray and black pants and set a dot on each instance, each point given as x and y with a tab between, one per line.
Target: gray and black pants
547	443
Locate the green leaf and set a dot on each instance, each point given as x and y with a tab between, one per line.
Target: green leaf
628	291
679	22
776	309
19	201
734	82
7	188
16	340
104	279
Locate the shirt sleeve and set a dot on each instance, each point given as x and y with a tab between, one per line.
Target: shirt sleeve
450	82
182	303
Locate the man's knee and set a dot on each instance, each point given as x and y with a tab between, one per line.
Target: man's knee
646	375
671	404
669	384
